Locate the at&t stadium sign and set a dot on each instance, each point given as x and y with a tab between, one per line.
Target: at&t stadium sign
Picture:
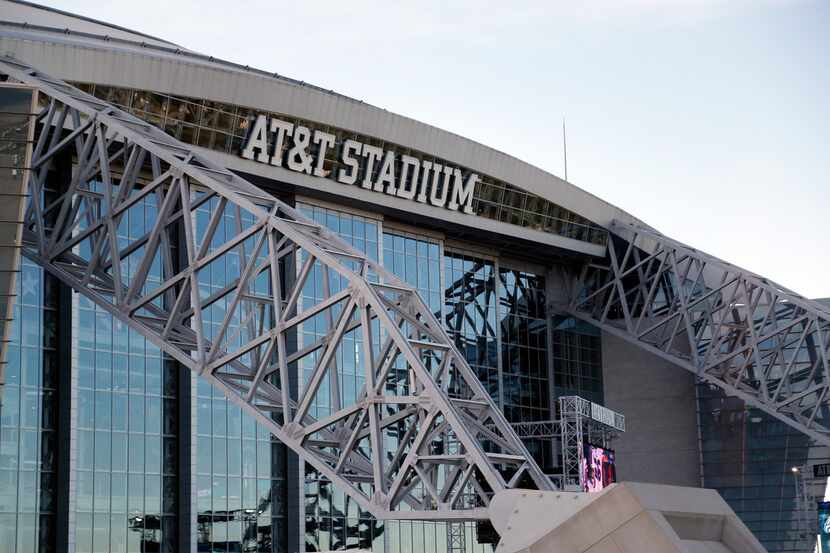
301	149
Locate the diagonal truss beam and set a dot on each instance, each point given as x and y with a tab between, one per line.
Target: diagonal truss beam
226	280
732	328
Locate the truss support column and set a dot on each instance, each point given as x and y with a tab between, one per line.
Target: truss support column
456	537
572	438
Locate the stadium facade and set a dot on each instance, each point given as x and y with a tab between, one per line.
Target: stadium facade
109	444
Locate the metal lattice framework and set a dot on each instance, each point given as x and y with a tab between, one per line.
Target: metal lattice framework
574	411
387	445
749	336
577	426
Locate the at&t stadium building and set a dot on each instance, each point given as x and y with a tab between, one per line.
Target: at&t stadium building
277	230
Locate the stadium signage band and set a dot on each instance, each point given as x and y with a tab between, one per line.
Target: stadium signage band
607	417
821	470
301	149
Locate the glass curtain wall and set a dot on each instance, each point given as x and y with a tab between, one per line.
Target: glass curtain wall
577	359
28	417
524	354
332	519
496	315
126	425
748	456
240	479
416	260
470	317
762	467
481	305
240	467
499	324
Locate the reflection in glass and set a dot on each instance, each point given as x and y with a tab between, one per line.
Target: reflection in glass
327	509
27	418
122	388
230	448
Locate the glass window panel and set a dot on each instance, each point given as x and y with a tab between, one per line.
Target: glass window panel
31	365
220	459
234	421
102	450
203	417
204	486
152	452
86	449
119	414
234	458
135	457
118	533
137	371
204	457
118	489
101	483
249	458
153	415
220	493
234	493
137	413
8	491
83	532
135	493
84	490
119	452
152	494
263	459
29	449
219	418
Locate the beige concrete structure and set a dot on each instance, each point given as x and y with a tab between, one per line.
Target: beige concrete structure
660	443
624	518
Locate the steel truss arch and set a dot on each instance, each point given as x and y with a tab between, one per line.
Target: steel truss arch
421	439
732	328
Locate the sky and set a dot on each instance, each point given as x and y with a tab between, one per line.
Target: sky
709	120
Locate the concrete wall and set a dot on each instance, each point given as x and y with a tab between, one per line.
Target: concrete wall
658	400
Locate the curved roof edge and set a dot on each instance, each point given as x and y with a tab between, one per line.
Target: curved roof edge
23	9
88	57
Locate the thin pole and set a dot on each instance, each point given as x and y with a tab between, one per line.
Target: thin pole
565	147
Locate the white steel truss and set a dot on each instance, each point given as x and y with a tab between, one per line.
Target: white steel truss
749	336
577	427
417	437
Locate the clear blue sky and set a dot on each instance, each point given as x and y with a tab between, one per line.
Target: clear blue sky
709	120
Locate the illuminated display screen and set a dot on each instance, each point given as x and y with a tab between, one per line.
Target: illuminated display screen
598	469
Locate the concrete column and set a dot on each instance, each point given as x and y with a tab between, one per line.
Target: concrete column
660	444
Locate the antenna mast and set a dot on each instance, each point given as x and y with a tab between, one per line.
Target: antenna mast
565	147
